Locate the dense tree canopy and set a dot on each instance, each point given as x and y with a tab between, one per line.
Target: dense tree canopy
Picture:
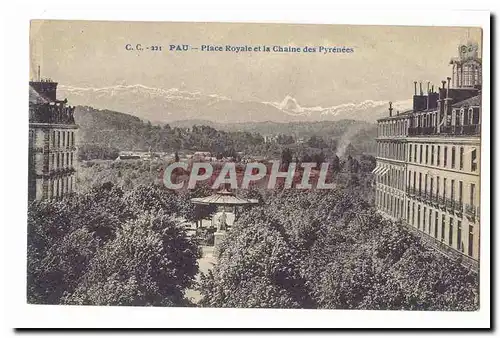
331	250
110	247
120	242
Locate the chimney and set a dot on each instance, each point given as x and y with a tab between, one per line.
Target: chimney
441	105
429	96
428	87
441	92
390	109
421	92
415	83
39	78
448	89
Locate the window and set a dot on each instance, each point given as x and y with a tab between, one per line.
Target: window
58	139
418	217
450	233
426	154
460	192
421	152
436	221
419	183
461	158
423	220
425	185
467	115
438	157
71	159
63	138
445	159
430	220
453	157
408	211
472	194
53	139
415	154
471	241
432	155
431	190
443	225
473	164
459	236
475	116
437	187
452	191
67	159
444	187
413	214
57	160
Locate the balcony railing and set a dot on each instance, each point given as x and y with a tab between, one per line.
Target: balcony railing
471	211
48	113
421	131
472	129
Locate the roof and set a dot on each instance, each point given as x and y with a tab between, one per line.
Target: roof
35	97
223	197
396	116
473	101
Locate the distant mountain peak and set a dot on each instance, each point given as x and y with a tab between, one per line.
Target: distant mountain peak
166	105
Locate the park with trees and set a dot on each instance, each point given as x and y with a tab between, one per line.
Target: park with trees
120	240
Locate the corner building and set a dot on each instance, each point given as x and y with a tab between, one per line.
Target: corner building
52	143
428	161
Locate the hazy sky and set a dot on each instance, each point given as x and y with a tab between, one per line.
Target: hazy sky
385	62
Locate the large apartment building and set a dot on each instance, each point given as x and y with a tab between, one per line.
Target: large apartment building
428	161
52	143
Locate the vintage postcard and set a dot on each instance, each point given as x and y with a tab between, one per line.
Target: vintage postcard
252	165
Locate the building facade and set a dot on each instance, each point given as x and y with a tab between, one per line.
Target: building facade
428	161
52	143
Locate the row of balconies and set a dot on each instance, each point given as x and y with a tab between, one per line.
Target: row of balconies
444	203
58	171
55	114
47	149
472	129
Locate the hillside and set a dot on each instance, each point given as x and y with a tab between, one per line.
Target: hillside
126	132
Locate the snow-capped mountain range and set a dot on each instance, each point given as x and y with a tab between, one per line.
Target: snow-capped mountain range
167	105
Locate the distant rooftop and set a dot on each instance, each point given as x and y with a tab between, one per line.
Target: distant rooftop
473	101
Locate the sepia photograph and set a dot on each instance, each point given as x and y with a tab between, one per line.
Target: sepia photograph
254	165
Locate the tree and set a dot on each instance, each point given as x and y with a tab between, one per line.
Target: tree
79	248
335	164
336	252
286	157
150	262
64	235
257	267
319	158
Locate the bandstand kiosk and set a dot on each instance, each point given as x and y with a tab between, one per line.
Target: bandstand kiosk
228	205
